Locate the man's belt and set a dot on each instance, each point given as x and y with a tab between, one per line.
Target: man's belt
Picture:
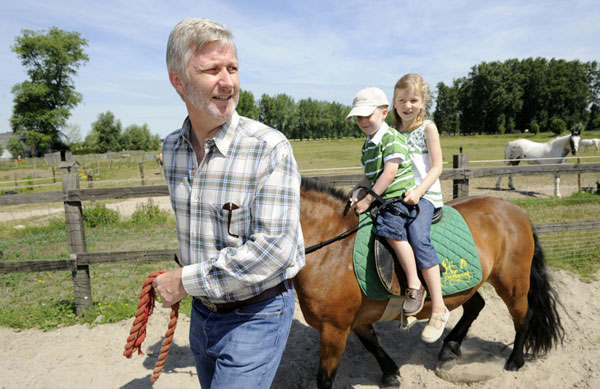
228	307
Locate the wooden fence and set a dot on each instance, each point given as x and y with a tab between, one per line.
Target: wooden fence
80	260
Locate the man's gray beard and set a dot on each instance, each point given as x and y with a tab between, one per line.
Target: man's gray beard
199	102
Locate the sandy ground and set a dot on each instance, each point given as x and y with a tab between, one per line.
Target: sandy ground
84	357
40	213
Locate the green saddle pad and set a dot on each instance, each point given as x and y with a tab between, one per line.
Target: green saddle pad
453	244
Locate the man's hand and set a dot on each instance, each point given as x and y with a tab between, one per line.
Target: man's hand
169	287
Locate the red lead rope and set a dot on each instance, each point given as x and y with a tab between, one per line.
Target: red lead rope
138	329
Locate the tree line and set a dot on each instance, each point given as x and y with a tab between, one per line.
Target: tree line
495	97
515	95
305	119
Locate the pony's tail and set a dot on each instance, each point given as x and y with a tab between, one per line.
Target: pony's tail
545	329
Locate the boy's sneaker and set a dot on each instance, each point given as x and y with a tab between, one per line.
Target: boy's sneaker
413	300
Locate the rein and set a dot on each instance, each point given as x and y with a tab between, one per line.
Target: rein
341	236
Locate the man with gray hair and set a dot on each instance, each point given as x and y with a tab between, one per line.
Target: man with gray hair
235	190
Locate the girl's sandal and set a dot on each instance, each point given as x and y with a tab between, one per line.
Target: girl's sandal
430	332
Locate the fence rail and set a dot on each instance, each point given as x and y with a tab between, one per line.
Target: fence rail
80	260
84	259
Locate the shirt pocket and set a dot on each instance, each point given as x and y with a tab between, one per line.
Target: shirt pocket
232	222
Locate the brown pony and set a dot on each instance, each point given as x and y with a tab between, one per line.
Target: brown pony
511	260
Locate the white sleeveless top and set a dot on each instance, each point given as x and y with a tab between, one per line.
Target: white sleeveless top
417	149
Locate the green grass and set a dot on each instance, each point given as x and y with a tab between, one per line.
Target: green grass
45	299
343	153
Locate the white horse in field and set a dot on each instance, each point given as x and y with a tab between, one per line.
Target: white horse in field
585	143
551	152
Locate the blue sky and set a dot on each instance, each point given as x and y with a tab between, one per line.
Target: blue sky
322	49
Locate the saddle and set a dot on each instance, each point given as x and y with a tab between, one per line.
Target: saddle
388	268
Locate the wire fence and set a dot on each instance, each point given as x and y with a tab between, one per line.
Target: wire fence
573	249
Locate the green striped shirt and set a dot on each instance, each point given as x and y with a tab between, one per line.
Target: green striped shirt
388	144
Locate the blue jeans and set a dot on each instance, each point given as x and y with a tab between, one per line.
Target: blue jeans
243	348
416	231
419	236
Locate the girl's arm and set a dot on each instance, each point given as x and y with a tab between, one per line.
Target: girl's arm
434	149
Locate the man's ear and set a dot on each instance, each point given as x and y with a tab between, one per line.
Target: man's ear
384	113
177	82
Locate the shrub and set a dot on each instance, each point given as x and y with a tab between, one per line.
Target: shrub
98	215
149	213
535	127
15	147
558	126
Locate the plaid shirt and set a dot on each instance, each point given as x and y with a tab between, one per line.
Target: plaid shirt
238	212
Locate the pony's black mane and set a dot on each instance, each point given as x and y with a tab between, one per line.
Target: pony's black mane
309	183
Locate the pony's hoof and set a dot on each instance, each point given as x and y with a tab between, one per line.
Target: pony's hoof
390	381
513	365
449	352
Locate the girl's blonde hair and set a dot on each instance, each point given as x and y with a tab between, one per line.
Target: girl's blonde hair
416	82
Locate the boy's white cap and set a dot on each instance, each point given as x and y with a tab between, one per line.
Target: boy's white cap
366	100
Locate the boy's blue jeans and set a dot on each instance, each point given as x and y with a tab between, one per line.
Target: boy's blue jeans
416	231
243	348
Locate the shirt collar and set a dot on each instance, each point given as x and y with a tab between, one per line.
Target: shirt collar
222	138
379	134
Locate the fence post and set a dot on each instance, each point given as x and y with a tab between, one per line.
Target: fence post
142	173
460	187
578	177
76	236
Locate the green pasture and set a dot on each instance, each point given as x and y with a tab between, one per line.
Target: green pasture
45	299
343	153
122	169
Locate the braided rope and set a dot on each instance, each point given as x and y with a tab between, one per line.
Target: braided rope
138	329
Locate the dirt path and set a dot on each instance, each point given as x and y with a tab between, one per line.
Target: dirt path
39	213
